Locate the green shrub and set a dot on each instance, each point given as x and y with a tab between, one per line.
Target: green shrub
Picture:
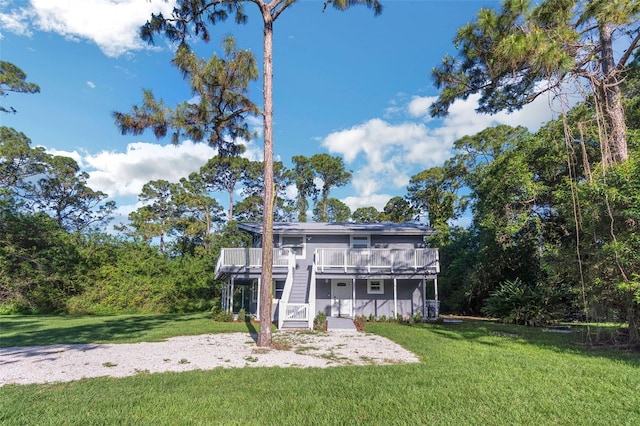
223	316
360	322
517	302
242	315
320	322
15	308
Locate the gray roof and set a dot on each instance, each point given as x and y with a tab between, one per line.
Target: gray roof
319	228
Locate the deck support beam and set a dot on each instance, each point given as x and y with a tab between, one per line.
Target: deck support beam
424	298
435	288
395	297
353	298
258	307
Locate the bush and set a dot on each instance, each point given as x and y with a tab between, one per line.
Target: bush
223	316
320	322
360	322
517	302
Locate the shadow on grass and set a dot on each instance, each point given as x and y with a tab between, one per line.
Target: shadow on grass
35	331
252	331
493	334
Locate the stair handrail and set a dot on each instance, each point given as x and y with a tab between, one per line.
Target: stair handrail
312	292
286	291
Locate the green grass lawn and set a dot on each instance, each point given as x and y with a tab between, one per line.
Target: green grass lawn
471	373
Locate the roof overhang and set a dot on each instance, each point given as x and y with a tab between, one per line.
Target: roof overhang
337	228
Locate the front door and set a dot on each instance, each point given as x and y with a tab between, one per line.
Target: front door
341	298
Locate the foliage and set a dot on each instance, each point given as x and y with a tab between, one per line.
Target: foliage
303	176
516	302
434	191
242	315
398	210
33	181
138	279
38	264
250	209
13	79
331	210
320	322
223	316
218	118
328	170
366	215
63	193
512	56
360	322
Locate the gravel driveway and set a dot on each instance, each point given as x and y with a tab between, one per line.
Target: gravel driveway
63	363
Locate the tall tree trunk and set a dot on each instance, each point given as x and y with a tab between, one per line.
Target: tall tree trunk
231	204
264	337
615	144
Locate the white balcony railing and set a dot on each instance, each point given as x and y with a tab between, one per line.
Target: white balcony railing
375	260
363	260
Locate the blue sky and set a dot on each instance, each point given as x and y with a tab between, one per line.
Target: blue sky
346	83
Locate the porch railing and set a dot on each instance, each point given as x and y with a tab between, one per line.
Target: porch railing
250	258
294	312
377	260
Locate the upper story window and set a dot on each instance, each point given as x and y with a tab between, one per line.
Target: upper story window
360	241
294	243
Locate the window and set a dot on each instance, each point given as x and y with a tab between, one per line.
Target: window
375	287
359	241
278	289
294	243
254	292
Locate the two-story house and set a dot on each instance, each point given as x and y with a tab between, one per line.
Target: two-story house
341	269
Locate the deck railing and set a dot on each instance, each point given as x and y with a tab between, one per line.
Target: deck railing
376	260
251	257
368	260
295	311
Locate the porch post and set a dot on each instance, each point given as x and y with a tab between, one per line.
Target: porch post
258	307
435	287
424	298
242	300
233	283
223	297
395	297
353	297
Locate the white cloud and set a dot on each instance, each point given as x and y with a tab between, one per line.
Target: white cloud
378	201
75	155
387	154
15	21
419	106
112	24
122	174
91	84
